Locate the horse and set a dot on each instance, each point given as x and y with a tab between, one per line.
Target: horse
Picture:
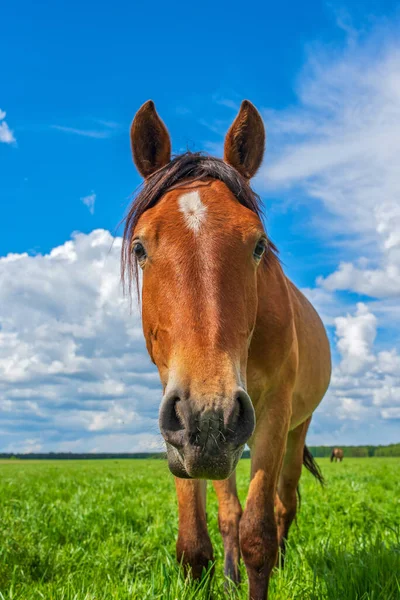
242	355
337	455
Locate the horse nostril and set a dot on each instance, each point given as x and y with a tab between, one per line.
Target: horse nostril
241	420
171	426
175	423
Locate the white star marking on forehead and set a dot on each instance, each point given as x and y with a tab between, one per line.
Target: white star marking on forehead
194	211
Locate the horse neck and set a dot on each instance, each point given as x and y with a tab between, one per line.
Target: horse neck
274	330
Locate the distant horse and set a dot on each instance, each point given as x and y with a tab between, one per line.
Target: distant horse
337	455
242	355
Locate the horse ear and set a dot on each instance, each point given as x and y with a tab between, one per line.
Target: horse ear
150	141
245	141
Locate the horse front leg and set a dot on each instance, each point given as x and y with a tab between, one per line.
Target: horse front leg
258	528
229	514
286	499
193	547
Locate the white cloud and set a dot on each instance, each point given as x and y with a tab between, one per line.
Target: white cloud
340	146
377	283
363	402
89	201
73	364
91	133
116	417
6	135
356	337
107	129
391	413
389	362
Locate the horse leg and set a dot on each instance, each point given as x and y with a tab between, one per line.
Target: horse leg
229	513
286	499
258	529
193	547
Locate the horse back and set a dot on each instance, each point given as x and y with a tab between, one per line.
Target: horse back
314	357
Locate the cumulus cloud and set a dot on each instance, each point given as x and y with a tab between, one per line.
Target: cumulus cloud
340	146
363	401
6	135
356	335
74	370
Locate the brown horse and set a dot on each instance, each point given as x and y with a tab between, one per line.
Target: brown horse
242	355
337	455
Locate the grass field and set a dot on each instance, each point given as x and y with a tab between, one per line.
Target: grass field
106	529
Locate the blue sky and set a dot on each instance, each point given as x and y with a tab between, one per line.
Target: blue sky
325	78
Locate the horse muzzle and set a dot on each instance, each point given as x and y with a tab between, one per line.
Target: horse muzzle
205	439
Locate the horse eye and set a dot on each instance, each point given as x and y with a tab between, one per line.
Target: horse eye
259	249
139	251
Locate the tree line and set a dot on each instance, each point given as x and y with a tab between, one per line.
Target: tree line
357	451
316	451
80	455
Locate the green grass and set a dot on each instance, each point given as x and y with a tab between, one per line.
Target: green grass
96	530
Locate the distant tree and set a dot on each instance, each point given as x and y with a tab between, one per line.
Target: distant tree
359	451
391	450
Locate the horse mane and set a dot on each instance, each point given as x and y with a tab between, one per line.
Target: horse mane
184	168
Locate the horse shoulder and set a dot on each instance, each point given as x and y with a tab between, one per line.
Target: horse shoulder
289	349
273	353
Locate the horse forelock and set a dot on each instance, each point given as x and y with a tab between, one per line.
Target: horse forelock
186	168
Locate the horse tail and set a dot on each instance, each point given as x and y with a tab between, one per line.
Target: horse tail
332	455
298	494
311	465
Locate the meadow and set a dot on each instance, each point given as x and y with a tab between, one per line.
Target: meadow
97	530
